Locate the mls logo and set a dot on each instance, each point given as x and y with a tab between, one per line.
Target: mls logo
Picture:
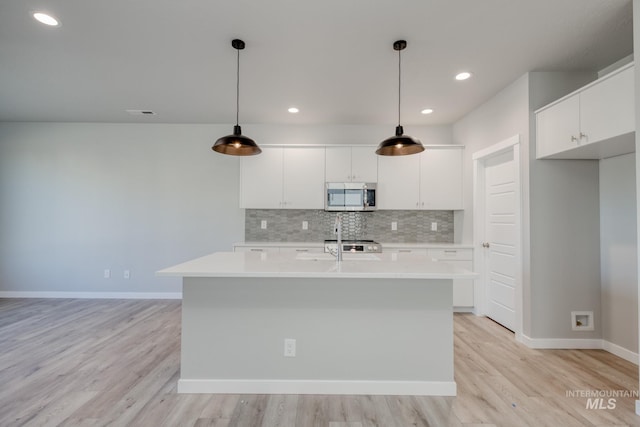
600	403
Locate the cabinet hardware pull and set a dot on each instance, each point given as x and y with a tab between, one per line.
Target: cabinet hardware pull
485	245
582	135
256	250
574	139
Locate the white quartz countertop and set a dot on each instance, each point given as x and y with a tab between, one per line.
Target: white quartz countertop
321	265
384	245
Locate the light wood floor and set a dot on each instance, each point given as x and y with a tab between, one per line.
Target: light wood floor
116	362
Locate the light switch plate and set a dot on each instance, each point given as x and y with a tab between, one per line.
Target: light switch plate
434	226
305	225
263	224
394	226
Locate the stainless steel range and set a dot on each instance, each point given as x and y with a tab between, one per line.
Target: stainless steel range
369	246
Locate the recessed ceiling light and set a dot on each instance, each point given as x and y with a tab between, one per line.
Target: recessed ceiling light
427	111
293	110
463	76
46	19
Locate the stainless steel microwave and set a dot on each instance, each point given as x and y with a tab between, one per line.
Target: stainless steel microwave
350	196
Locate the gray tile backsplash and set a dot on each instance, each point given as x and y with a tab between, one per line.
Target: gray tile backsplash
285	225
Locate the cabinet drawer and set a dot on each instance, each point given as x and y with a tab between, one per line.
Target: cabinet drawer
302	250
413	251
256	249
451	254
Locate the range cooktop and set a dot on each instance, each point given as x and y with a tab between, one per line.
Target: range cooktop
353	246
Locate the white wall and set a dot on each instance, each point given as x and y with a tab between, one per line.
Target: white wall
503	116
564	223
618	251
79	198
553	193
76	199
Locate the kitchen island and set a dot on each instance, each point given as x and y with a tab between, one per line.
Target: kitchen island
371	324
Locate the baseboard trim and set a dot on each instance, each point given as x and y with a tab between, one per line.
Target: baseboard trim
622	352
92	295
462	309
563	343
580	344
389	388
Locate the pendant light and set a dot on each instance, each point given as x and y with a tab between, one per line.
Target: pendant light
399	144
237	144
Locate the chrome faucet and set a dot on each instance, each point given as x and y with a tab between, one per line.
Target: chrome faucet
338	231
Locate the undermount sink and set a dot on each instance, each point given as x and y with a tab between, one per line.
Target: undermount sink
346	256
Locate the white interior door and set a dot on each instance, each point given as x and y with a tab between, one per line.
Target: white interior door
501	238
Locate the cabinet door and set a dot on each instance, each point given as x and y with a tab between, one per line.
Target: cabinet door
303	179
607	108
462	288
338	164
441	179
364	164
261	180
558	127
398	182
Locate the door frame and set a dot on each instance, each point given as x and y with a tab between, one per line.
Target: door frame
511	144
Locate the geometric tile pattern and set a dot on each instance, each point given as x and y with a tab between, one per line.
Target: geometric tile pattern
285	225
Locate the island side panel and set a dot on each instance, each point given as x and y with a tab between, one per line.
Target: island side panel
346	330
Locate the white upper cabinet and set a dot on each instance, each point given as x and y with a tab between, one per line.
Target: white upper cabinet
351	164
431	180
607	109
558	127
283	178
303	180
441	179
594	122
261	180
399	182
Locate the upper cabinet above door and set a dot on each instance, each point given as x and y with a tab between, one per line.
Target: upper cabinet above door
351	164
595	122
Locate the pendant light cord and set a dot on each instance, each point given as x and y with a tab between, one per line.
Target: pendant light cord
238	89
399	88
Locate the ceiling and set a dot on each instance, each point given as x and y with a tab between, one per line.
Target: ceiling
333	59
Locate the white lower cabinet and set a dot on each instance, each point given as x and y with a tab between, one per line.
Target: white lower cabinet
301	249
406	251
462	258
256	249
276	248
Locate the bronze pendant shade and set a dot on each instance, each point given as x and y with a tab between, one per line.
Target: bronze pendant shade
399	144
237	144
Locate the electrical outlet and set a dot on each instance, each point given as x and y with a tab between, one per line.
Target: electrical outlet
289	347
394	226
107	273
434	226
305	225
263	224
